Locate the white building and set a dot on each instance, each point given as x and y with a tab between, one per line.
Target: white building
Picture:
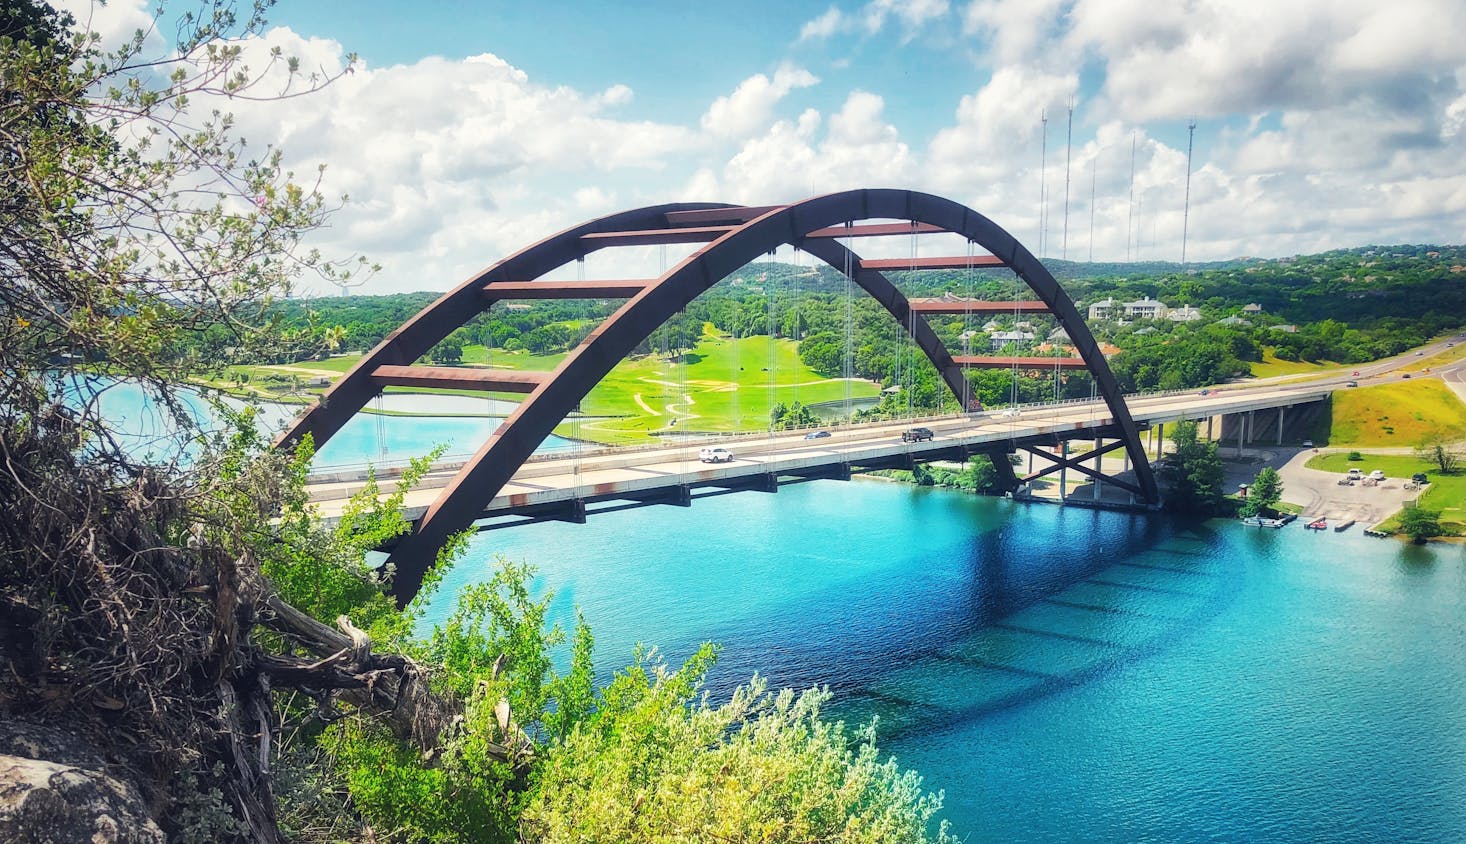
1103	309
1003	338
1185	313
1146	308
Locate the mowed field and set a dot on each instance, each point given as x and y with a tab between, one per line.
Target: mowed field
723	385
1401	413
1271	366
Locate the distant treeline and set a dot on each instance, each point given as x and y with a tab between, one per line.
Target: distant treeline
1349	306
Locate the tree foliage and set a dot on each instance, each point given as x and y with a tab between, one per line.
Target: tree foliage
1193	473
1444	454
1264	493
657	763
1420	524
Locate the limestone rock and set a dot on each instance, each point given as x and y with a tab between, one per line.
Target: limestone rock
52	789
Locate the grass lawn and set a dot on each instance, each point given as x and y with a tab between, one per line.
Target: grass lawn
728	386
1401	413
1270	365
1446	493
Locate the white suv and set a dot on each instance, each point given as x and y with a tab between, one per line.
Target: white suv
715	454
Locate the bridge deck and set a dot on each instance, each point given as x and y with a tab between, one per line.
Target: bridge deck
631	473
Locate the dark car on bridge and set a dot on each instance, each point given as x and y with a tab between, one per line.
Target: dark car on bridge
916	435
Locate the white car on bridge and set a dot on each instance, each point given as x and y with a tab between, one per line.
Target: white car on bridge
715	454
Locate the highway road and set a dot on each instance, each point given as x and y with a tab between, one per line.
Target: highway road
605	473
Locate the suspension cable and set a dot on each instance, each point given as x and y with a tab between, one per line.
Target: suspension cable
773	358
381	425
848	369
578	446
966	397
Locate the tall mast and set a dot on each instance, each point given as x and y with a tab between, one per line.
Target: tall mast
1186	213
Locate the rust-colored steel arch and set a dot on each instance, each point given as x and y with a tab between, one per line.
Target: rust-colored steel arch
734	235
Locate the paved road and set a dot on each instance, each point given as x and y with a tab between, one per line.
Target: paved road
643	469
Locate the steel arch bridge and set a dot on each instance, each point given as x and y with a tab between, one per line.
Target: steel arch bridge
734	236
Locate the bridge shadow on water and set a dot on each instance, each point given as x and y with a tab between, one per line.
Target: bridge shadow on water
1030	617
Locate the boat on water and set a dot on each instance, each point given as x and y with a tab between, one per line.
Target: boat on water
1318	524
1343	526
1259	521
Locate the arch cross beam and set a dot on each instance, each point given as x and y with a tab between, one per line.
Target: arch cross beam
734	236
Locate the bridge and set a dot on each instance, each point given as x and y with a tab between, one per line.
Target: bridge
557	487
505	477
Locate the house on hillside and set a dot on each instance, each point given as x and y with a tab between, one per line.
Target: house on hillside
1146	308
1002	338
1252	309
1103	309
1286	329
1185	313
1233	320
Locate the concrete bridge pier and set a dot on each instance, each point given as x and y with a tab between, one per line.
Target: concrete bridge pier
1291	423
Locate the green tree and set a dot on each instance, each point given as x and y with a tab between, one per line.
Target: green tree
657	763
1193	473
1438	450
1265	492
450	350
1420	524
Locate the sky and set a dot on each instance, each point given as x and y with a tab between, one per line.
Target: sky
468	130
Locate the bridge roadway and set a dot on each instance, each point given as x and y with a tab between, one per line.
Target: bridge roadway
559	486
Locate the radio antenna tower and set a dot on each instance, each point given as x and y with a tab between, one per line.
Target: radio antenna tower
1068	150
1130	219
1093	166
1186	212
1043	184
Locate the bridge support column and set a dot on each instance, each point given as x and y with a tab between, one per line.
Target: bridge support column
1280	425
1251	426
1241	432
1099	460
1064	473
1209	421
1160	439
1124	468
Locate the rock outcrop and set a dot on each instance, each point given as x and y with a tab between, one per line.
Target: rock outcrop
54	789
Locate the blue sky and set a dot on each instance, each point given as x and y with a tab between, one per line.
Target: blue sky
676	56
468	130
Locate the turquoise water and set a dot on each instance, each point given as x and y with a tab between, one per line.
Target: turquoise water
365	438
1062	674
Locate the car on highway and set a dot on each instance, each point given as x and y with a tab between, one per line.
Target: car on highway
816	435
916	435
1419	354
715	454
1352	384
1011	413
1406	375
